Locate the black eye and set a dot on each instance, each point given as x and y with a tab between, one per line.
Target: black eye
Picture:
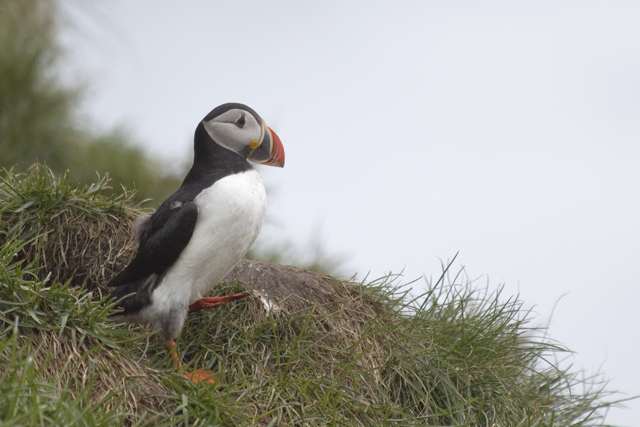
241	121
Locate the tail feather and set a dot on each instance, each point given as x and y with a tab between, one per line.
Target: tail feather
134	296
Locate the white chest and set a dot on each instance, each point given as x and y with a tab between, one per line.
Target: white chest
230	215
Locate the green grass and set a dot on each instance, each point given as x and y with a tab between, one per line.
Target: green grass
369	354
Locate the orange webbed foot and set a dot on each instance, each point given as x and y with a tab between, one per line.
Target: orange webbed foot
208	302
200	375
197	376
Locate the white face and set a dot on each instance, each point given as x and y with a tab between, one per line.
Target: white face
236	130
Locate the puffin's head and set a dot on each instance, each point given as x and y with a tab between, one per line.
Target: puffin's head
240	129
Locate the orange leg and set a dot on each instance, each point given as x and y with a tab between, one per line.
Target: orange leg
196	376
216	301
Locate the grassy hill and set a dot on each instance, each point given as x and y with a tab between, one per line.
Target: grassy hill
304	350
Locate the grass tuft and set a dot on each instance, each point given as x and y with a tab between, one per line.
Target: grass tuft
73	233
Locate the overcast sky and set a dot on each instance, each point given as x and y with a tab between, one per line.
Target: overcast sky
506	131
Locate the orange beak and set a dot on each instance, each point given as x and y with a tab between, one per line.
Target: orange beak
270	152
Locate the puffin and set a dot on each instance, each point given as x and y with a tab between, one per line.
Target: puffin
198	234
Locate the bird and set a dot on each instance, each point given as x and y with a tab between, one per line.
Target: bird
198	234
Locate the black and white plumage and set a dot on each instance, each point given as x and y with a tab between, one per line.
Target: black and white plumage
201	231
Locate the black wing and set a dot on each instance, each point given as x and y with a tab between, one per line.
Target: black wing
167	234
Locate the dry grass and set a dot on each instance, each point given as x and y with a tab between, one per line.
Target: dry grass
117	382
73	233
343	310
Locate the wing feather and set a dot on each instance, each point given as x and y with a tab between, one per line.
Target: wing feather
168	232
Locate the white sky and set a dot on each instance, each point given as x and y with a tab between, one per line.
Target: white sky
508	131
